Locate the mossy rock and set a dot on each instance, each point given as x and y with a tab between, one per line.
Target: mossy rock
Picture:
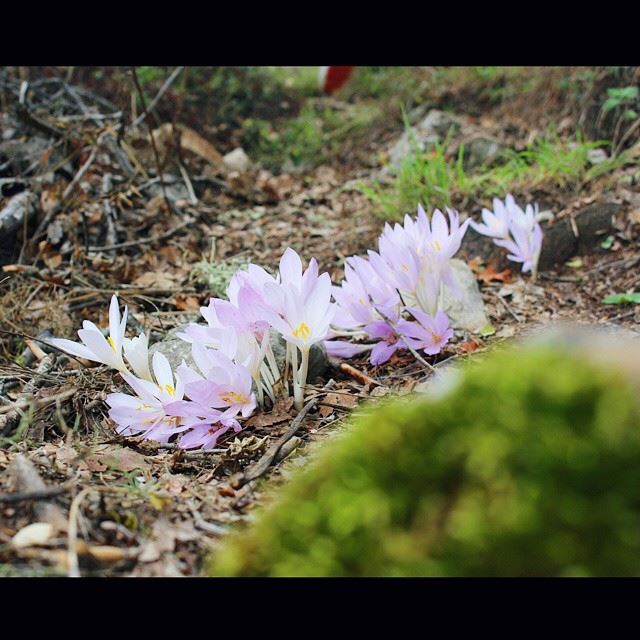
529	465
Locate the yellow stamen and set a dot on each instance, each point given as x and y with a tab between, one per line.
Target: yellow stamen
232	397
437	245
302	332
112	343
405	268
169	389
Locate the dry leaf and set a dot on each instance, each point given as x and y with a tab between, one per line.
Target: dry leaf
470	346
189	141
267	419
491	275
121	458
186	303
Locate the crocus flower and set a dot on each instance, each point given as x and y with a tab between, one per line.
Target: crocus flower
136	351
496	222
525	246
429	333
205	435
228	385
443	240
304	321
389	343
145	412
342	349
94	345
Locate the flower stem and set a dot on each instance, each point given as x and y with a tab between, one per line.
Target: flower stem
304	368
298	396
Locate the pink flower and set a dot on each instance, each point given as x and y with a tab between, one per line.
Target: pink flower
430	333
145	413
389	343
205	436
496	222
228	385
342	349
525	246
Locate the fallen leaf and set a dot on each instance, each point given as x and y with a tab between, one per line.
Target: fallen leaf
267	419
470	346
186	303
155	280
121	458
491	275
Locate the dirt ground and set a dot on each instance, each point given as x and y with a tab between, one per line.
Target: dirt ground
103	222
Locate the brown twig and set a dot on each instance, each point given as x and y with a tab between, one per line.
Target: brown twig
135	243
357	375
153	141
29	496
259	468
169	81
41	402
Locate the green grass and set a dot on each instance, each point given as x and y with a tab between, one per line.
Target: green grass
309	138
434	179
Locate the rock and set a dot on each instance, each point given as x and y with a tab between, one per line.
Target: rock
237	160
596	156
481	151
12	217
174	348
592	225
468	314
434	128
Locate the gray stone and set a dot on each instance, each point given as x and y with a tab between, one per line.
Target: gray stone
174	348
433	128
237	160
469	313
481	151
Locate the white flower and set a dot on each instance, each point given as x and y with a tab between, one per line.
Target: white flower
136	351
94	345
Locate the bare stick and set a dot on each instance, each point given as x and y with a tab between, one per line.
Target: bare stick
259	468
169	81
41	402
29	496
135	243
358	375
153	141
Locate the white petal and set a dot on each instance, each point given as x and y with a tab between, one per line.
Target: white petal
162	370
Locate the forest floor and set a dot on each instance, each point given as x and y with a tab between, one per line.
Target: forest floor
102	222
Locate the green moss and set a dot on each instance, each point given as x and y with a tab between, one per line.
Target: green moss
529	466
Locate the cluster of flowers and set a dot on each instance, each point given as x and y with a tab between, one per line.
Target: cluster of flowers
406	276
516	230
233	355
394	296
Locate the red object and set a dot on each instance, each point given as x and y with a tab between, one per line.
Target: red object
333	78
